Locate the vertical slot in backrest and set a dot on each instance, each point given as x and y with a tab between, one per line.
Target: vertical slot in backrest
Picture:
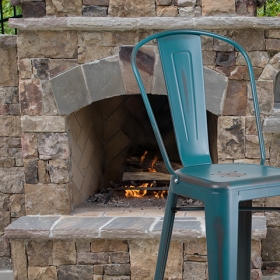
181	59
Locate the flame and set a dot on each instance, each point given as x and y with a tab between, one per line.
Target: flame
141	193
160	194
143	157
137	193
152	168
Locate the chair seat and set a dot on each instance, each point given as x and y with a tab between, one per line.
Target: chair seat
233	176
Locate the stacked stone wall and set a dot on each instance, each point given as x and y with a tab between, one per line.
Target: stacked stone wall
11	163
103	259
134	8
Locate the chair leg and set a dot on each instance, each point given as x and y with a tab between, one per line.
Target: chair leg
165	236
221	217
244	242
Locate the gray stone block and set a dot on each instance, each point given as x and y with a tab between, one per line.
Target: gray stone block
272	125
103	78
127	227
6	275
79	227
70	91
31	227
215	90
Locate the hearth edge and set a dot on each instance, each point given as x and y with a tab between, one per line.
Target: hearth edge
118	227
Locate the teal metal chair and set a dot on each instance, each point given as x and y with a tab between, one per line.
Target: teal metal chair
227	190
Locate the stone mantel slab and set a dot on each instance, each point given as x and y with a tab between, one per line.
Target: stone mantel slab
118	227
153	23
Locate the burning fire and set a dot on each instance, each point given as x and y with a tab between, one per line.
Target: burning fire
137	193
142	192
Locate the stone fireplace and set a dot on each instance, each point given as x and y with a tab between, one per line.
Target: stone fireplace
71	112
115	125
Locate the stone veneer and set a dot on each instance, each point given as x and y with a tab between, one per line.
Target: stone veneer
110	247
41	162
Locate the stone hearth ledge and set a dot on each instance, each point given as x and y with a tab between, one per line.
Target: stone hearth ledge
86	227
153	23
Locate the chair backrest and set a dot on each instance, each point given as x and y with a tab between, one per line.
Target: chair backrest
181	58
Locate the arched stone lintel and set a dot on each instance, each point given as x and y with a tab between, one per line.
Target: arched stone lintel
112	76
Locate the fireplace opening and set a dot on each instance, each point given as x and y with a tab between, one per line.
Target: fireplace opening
111	136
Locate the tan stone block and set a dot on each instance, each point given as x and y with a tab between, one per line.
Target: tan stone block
250	126
256	42
39	253
44	123
252	146
58	170
119	257
124	38
83	245
9	95
275	152
56	199
87	54
116	270
53	146
93	258
96	39
99	277
258	59
49	105
7	162
19	260
58	66
231	136
256	274
106	245
239	72
30	95
195	247
132	8
5	220
163	2
273	33
235	103
195	270
64	252
64	8
4	202
143	254
42	273
167	11
208	57
96	2
12	180
265	91
17	205
218	7
84	272
47	44
98	269
25	68
4	247
10	126
273	44
256	256
8	63
29	144
43	175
